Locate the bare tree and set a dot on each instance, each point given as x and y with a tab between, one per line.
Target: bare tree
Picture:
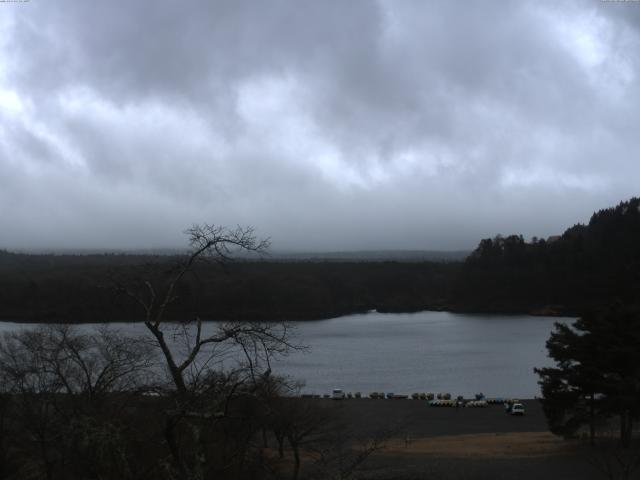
193	352
321	442
258	341
301	423
343	454
24	376
65	384
60	359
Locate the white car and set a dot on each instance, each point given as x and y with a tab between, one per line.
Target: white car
517	409
337	394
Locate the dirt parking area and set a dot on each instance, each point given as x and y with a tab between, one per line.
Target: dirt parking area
446	443
416	419
482	445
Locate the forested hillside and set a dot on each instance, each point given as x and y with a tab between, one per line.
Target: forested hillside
588	266
50	288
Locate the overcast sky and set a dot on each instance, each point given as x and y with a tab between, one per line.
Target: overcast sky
326	125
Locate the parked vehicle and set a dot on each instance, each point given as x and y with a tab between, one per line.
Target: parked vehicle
337	394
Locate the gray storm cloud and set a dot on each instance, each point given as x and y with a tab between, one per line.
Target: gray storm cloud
326	125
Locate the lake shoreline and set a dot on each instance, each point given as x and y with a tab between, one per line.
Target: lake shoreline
538	312
429	351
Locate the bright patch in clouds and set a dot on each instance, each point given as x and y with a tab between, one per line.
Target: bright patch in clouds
10	102
549	178
585	36
276	114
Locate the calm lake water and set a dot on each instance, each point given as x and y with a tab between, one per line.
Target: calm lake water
417	352
423	352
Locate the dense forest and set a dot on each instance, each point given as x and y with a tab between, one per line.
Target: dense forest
585	267
66	288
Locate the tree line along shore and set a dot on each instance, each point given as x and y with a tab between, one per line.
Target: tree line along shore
584	268
79	405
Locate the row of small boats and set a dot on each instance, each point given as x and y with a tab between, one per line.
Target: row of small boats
434	399
459	403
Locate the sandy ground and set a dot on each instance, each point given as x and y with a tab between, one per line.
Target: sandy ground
449	443
416	419
482	445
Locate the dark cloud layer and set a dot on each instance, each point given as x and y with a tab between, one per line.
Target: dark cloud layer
327	125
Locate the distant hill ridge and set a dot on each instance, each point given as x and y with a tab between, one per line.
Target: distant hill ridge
276	255
375	255
588	266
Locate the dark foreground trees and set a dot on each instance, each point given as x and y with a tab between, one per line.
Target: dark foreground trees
200	390
63	397
186	400
78	403
597	376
